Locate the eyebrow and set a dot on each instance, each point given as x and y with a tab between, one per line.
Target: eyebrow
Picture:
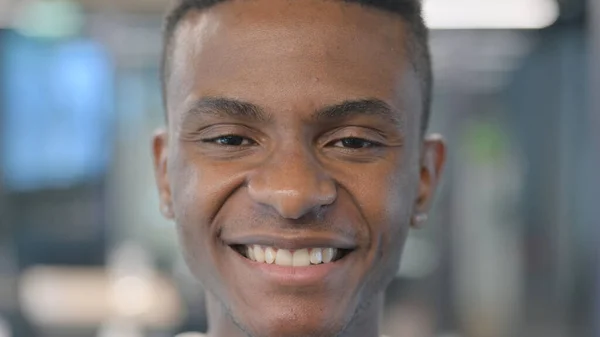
227	107
368	107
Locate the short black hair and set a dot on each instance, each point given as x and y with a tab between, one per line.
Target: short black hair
409	10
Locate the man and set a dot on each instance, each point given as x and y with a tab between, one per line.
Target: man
294	159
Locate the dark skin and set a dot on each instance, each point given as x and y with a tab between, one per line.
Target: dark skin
292	123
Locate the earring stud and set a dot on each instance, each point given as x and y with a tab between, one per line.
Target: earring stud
420	219
166	211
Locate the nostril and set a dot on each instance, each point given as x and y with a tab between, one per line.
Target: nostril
290	203
292	189
328	194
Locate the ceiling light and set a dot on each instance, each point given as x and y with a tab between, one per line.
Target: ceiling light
490	14
49	19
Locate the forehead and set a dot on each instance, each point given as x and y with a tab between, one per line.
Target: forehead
291	55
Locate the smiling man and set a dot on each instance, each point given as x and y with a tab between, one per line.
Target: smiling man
294	160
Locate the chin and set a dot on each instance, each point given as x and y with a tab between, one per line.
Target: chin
296	321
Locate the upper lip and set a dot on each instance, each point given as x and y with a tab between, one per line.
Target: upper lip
293	241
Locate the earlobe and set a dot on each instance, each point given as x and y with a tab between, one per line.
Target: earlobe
160	152
433	158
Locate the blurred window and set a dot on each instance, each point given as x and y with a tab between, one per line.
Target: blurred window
57	113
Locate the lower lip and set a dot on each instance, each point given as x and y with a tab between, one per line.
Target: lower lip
296	276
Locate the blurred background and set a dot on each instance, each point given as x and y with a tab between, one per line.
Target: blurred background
511	249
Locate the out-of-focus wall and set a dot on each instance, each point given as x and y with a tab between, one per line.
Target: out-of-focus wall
594	125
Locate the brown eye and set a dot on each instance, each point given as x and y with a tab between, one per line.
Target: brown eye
230	140
355	143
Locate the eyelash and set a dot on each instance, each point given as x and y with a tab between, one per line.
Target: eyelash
230	137
249	142
369	143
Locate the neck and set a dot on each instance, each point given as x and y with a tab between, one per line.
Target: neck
365	323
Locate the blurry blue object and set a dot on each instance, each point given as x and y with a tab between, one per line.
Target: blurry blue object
57	121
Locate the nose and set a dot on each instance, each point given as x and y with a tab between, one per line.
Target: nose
293	184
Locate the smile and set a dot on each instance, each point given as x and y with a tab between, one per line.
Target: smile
303	257
293	258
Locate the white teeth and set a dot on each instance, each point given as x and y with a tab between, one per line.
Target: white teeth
316	256
284	257
328	254
270	255
301	258
251	255
259	253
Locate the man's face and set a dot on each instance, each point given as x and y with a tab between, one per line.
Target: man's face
293	127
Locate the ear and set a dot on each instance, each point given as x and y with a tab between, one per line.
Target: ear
433	158
160	152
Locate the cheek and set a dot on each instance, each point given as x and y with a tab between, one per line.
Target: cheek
199	190
192	226
191	206
386	199
200	187
386	202
392	217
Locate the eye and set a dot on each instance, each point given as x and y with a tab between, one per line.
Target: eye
355	143
230	140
